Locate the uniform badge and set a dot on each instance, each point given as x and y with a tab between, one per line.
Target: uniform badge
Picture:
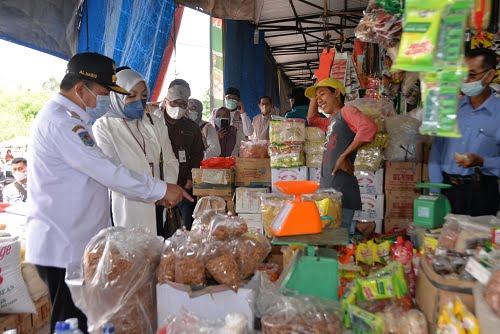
78	127
86	139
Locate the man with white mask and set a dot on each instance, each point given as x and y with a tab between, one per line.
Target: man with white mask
139	141
471	164
186	139
16	191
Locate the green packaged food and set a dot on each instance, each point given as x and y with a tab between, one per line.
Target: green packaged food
286	155
420	35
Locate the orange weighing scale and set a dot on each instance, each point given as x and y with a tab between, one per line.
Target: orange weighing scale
297	216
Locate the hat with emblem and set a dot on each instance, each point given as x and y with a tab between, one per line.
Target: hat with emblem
95	67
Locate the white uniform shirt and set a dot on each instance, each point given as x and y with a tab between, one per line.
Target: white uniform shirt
68	181
242	122
117	139
11	194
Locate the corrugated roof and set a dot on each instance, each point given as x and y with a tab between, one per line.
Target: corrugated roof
294	31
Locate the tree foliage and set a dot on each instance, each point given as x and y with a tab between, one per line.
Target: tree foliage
18	109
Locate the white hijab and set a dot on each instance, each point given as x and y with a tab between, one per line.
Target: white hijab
126	79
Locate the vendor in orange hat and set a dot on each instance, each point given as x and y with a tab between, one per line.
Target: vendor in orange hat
347	129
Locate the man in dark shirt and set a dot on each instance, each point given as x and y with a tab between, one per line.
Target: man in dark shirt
186	139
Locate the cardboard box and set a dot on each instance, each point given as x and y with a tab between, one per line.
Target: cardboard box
213	177
212	302
254	220
209	191
314	174
373	208
433	291
371	183
402	175
396	223
288	174
253	172
399	204
248	199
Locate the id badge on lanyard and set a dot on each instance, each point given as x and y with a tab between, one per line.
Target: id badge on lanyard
182	156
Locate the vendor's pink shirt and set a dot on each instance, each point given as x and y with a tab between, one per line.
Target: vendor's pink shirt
364	128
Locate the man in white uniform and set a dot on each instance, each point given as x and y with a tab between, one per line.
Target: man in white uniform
69	177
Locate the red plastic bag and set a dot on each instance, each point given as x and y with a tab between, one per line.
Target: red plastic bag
218	163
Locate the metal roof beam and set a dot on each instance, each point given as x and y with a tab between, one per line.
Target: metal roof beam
349	12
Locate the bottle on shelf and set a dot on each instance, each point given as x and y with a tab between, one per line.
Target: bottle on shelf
62	328
108	329
74	326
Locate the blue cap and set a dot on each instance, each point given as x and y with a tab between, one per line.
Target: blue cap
62	326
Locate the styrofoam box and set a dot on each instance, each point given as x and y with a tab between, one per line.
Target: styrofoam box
370	182
215	305
254	220
372	208
248	199
288	174
314	174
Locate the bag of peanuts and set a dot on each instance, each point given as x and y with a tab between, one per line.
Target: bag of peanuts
118	281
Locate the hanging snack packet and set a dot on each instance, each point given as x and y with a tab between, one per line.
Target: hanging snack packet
420	35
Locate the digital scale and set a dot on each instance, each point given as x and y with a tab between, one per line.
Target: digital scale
430	209
314	270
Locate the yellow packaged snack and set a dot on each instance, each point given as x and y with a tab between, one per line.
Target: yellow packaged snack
448	323
364	253
383	252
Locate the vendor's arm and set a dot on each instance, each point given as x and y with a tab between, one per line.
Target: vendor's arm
365	130
435	161
247	122
213	149
313	117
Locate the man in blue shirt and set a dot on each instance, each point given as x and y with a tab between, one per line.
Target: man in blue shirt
300	104
471	164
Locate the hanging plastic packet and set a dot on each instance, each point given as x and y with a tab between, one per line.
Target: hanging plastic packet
451	38
480	17
440	92
420	35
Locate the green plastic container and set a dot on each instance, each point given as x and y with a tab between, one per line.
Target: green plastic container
314	273
429	210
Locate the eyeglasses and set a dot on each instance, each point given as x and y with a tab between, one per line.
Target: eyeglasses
475	75
179	103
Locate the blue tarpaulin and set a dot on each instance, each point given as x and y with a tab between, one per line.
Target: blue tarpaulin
134	33
247	65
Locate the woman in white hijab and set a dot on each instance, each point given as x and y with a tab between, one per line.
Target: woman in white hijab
136	139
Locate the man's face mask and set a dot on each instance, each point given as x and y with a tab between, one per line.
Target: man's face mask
101	105
231	104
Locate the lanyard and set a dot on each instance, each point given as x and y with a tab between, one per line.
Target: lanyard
143	146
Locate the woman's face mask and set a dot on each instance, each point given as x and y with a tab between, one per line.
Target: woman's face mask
175	112
135	109
193	115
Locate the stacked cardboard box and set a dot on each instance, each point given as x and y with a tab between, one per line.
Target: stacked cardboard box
401	191
214	182
371	187
248	206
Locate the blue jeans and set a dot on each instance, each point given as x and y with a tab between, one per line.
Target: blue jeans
347	215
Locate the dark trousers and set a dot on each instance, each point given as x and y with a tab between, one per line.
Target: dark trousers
160	221
480	198
62	305
187	209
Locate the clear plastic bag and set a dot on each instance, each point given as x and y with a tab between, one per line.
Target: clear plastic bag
492	292
314	160
281	313
314	147
251	249
270	205
287	130
221	264
368	159
209	203
405	142
166	269
254	149
373	108
329	203
118	279
286	156
189	265
315	134
226	227
189	323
